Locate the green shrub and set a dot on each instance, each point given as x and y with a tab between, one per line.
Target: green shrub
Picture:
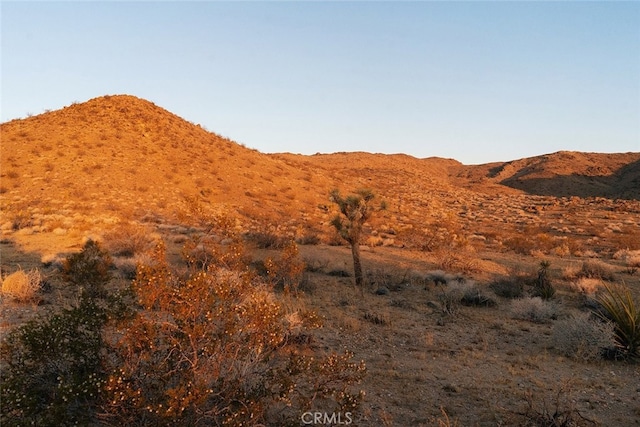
51	368
507	288
620	307
88	269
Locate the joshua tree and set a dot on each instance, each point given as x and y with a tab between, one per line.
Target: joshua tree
356	210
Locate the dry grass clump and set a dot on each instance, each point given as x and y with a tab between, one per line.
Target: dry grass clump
595	269
128	239
22	286
582	337
533	309
587	286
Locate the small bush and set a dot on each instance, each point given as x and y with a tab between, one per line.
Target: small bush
266	240
452	295
595	269
582	337
507	288
51	369
621	308
476	298
587	285
286	271
533	309
560	412
309	238
21	286
376	319
88	268
127	240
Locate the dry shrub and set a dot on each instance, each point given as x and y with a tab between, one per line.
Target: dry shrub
288	269
582	337
560	412
456	259
587	285
595	269
508	288
215	347
22	286
127	240
533	309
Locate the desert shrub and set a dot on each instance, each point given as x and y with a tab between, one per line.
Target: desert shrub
595	269
308	238
507	288
339	273
22	286
456	259
473	296
51	370
21	219
624	311
127	240
587	285
376	318
266	240
542	285
315	265
451	297
216	347
533	309
287	270
561	411
582	337
126	266
88	268
520	244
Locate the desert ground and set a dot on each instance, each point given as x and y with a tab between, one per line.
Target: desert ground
445	322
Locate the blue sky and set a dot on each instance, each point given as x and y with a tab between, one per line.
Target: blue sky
474	81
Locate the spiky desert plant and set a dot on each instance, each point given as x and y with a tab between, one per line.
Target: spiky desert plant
621	308
542	286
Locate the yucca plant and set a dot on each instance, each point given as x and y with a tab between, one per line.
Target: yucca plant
621	308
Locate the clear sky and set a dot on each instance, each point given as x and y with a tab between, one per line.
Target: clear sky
474	81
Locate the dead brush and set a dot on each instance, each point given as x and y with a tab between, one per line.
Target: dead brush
127	240
560	412
376	318
23	286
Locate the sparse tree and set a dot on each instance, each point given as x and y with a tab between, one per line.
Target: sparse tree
356	209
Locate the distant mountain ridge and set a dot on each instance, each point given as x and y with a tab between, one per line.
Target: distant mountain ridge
565	174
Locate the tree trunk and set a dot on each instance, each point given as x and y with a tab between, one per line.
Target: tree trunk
357	267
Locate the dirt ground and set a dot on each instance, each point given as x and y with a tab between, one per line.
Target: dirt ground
476	367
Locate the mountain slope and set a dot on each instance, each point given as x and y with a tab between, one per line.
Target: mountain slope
562	174
123	157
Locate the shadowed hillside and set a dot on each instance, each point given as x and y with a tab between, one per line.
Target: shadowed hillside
563	174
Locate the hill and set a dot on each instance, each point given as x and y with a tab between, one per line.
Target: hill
562	174
111	158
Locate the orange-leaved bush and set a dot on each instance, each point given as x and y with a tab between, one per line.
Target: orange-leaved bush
212	347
